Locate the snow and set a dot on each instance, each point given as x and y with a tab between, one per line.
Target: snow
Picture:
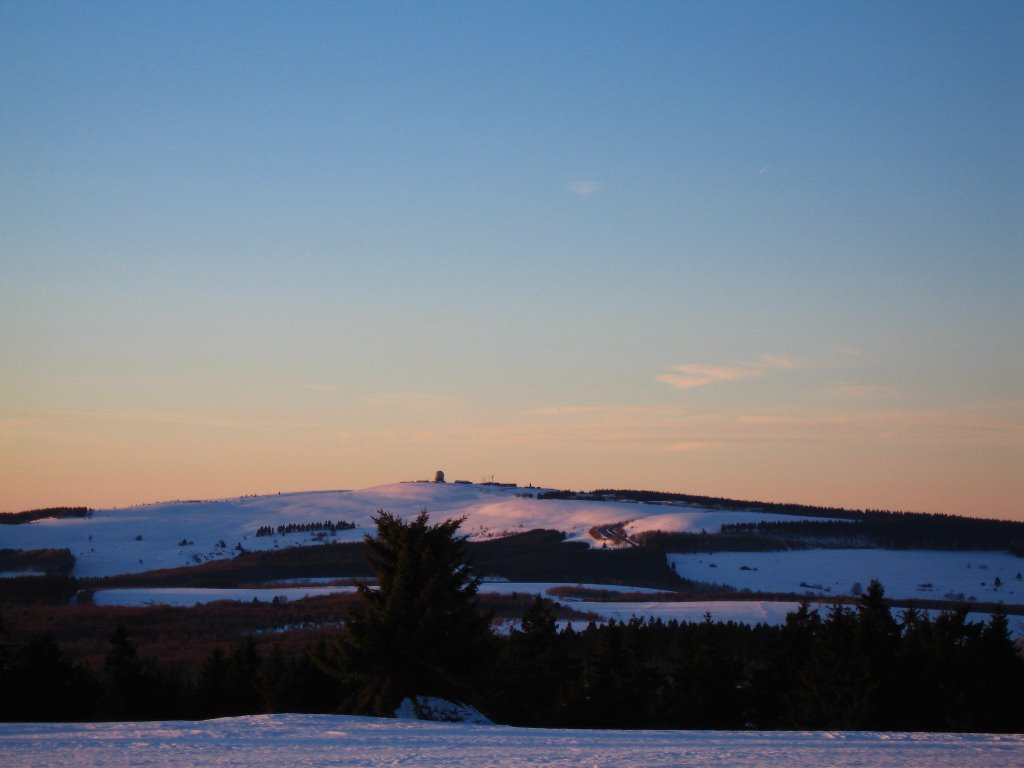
144	538
434	709
319	741
903	573
544	587
189	596
742	612
696	520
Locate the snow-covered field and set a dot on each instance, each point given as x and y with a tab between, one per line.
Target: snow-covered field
904	574
684	519
750	612
739	611
315	741
174	534
187	596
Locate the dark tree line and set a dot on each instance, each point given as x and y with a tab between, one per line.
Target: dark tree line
327	525
52	562
53	590
537	555
897	530
28	516
710	502
544	555
853	668
239	681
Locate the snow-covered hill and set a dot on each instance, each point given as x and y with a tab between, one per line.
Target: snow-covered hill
177	534
173	534
324	740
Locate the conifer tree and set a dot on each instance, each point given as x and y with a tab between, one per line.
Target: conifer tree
826	681
706	677
999	677
211	692
49	687
876	644
241	679
124	693
420	632
536	669
914	684
272	681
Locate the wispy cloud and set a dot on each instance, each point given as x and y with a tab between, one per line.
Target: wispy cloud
584	187
954	426
321	388
425	401
678	429
566	410
584	410
692	375
776	361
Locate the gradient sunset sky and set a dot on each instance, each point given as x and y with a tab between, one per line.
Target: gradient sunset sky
763	250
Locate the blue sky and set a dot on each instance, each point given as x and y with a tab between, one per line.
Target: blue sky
768	250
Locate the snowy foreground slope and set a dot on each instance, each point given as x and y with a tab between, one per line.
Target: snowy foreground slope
312	741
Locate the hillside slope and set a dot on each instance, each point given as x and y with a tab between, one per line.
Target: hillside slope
181	533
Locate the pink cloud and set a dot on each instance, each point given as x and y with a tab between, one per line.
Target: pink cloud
692	375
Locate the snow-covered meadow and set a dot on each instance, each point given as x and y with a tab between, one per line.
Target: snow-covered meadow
187	596
988	576
319	741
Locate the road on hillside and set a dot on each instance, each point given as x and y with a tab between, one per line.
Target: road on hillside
613	532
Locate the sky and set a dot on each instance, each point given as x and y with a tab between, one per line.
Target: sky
756	250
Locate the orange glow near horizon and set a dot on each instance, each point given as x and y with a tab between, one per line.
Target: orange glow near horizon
126	462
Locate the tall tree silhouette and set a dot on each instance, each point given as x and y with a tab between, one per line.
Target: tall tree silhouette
536	671
125	690
40	684
420	632
876	644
